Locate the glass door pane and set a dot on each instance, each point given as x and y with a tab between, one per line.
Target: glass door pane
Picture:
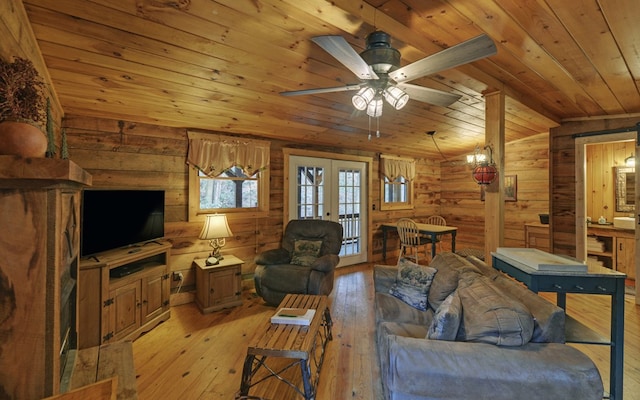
310	192
331	190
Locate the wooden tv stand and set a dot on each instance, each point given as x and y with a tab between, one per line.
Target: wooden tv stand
113	307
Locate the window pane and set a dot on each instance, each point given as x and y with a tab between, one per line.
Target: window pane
231	189
396	191
310	192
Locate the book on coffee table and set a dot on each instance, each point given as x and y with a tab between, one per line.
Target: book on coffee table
294	316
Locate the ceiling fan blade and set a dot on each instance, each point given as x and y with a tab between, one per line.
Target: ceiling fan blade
428	95
323	90
342	51
471	50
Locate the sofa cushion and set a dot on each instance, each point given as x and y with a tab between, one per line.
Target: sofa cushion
548	318
384	276
305	252
413	283
446	320
392	309
490	317
450	268
439	369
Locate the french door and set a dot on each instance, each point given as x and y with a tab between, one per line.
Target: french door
332	190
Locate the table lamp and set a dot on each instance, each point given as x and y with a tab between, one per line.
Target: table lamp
215	229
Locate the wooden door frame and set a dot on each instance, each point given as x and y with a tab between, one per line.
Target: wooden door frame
368	161
581	205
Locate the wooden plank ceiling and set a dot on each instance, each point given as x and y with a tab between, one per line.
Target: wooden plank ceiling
220	65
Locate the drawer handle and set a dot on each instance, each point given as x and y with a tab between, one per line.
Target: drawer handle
556	286
579	287
602	289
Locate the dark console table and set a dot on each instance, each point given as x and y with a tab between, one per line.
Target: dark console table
596	280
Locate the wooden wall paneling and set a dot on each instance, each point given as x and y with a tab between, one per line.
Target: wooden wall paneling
600	180
563	178
123	154
461	204
120	154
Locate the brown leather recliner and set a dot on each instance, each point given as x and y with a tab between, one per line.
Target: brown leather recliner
304	264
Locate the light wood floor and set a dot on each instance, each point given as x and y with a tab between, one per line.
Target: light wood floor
196	356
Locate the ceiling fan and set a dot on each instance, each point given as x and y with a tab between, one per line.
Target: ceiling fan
378	68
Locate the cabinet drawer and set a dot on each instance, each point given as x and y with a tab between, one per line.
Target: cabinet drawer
569	285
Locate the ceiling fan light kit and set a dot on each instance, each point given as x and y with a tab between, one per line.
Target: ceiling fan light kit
396	97
378	68
374	108
361	99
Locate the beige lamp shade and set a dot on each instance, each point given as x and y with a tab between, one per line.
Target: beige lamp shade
215	226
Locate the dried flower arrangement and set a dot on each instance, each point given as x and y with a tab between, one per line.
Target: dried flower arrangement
22	110
21	92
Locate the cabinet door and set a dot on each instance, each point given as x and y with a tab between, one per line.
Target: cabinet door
154	295
125	310
224	286
626	257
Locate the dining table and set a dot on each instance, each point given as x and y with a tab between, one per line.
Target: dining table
428	229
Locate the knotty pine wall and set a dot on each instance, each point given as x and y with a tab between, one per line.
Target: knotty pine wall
126	155
600	180
119	154
462	206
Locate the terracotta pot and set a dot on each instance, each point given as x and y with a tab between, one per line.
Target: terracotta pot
22	139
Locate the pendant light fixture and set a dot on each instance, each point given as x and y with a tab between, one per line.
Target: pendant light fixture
484	169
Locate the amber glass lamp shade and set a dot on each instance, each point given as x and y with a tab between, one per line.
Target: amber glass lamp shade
484	174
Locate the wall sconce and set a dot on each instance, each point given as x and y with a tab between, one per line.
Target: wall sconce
215	229
484	169
630	161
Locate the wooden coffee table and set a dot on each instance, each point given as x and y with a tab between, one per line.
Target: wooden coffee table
277	350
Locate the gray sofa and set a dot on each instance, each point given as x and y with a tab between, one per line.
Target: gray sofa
481	336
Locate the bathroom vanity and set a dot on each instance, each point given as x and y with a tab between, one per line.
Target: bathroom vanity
617	250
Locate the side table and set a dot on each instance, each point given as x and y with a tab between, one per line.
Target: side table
218	286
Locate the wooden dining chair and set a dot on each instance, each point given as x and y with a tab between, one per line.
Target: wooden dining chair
436	220
411	240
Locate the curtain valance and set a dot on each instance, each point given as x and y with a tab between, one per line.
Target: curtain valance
392	168
214	156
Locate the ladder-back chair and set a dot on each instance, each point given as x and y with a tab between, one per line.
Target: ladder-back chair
436	220
411	240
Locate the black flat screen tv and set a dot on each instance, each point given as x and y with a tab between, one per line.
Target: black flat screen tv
119	218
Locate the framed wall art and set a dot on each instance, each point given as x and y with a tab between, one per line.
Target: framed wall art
510	188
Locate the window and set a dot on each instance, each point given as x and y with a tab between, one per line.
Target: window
228	175
396	191
396	183
231	189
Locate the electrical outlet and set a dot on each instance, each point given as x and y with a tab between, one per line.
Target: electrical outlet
177	276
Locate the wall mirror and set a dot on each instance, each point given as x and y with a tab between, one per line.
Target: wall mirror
625	189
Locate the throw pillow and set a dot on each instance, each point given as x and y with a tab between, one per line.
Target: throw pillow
446	320
413	283
305	252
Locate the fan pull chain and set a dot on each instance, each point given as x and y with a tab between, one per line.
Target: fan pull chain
377	127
